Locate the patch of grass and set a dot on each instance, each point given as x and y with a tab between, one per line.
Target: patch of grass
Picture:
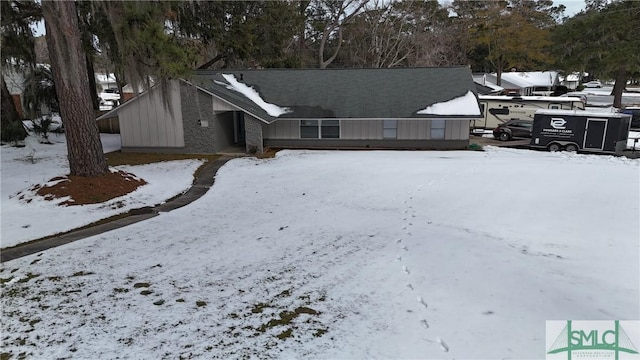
141	285
5	280
258	308
286	317
179	300
29	277
320	332
268	153
120	290
119	158
285	334
83	273
200	303
146	292
158	302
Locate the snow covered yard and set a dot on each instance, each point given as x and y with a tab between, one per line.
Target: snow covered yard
26	216
346	254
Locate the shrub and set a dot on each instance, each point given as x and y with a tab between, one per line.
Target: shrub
41	127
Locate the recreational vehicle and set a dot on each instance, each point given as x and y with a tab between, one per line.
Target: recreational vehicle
496	110
597	132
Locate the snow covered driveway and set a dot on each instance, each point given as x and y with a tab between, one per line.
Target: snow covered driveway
369	254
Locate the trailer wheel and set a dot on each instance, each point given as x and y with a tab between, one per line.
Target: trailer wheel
571	148
504	136
553	147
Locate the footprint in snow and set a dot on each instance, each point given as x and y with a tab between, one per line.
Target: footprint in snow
410	286
443	345
398	241
421	301
405	270
405	248
398	258
424	323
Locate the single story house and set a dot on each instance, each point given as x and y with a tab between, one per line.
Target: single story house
391	108
531	83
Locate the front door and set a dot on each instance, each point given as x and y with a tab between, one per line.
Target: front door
238	126
594	135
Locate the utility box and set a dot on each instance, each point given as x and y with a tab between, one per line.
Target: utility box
569	130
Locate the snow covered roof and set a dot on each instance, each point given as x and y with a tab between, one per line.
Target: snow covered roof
599	114
105	78
529	79
397	93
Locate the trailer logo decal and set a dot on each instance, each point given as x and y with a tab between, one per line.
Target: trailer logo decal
558	123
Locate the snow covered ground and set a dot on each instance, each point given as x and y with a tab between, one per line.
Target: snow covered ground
346	254
25	216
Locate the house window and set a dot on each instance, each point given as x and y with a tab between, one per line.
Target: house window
309	129
437	129
390	129
330	129
320	129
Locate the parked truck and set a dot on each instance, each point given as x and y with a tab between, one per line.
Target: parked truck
586	131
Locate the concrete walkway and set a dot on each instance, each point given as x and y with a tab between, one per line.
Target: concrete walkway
203	182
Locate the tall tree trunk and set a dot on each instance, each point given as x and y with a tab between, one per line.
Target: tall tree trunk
618	87
92	84
69	67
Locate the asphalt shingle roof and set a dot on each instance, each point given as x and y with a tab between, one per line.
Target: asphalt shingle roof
343	93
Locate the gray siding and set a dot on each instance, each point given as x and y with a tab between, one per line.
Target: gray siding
282	129
148	123
361	129
367	144
457	130
372	129
413	129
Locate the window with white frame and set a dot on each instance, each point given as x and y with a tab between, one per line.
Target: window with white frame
437	129
390	129
329	129
309	129
320	129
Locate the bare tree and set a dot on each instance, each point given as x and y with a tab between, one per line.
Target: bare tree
402	33
68	62
328	18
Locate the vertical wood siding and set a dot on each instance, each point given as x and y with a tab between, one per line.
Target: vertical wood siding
147	123
372	130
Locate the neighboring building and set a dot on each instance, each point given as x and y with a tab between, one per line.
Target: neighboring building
533	83
484	87
15	84
397	108
571	81
106	81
